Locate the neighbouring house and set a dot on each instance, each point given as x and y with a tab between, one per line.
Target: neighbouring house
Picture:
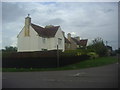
75	42
36	38
67	44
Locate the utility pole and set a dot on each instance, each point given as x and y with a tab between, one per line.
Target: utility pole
57	56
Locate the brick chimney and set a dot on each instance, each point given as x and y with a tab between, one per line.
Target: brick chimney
27	25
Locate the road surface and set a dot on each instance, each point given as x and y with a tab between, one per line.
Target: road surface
97	77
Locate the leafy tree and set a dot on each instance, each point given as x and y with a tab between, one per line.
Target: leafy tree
10	48
98	46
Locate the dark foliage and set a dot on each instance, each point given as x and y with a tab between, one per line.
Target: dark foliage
38	59
98	46
10	49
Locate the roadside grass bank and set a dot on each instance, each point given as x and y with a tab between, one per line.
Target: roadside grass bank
83	64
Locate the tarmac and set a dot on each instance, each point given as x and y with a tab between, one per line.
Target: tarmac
96	77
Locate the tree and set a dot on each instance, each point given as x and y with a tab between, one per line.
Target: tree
98	46
10	48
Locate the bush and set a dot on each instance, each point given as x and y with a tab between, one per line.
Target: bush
98	46
93	55
76	52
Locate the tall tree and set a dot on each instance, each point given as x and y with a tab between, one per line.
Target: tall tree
98	46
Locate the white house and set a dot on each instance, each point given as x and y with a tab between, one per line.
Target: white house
36	38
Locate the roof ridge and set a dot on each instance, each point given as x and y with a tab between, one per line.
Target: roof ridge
36	25
45	27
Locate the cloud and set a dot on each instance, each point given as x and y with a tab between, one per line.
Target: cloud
55	21
11	11
73	34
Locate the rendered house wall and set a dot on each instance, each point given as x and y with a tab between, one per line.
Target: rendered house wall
34	42
28	43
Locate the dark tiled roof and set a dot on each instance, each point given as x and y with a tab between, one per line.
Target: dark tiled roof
75	40
67	41
45	32
83	42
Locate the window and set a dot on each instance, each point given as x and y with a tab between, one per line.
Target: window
59	41
43	39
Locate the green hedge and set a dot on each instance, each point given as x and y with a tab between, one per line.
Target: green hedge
39	59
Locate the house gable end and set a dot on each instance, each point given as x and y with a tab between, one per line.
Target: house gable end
21	32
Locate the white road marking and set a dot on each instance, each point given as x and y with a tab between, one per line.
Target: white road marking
80	74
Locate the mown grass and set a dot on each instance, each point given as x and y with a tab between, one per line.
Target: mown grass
83	64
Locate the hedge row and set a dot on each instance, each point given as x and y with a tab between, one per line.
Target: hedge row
29	54
39	60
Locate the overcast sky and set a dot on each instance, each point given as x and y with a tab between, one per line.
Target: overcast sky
87	20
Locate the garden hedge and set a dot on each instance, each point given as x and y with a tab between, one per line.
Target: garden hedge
39	59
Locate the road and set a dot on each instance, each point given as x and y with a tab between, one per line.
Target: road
97	77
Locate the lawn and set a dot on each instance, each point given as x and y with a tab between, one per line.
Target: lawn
83	64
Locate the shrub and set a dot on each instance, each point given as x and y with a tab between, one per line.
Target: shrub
98	46
93	55
69	53
76	52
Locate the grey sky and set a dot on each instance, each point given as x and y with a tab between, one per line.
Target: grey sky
87	20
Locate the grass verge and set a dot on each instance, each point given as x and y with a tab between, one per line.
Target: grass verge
83	64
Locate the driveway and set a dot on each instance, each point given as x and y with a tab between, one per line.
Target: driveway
97	77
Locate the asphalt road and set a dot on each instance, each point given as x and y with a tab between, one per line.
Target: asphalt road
98	77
